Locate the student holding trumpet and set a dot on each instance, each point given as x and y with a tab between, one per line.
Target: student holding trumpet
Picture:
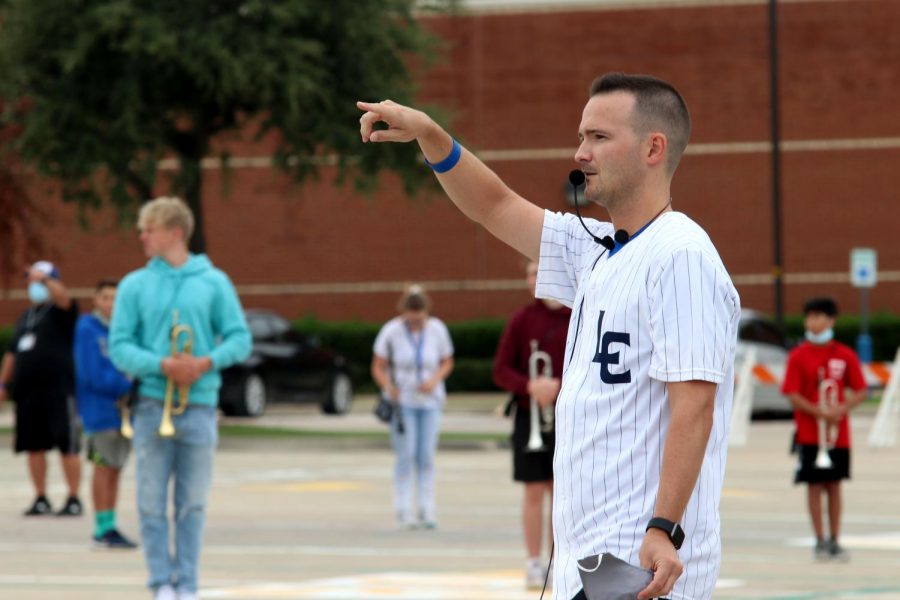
534	334
823	382
177	322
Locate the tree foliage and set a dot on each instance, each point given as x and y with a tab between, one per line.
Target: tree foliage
104	89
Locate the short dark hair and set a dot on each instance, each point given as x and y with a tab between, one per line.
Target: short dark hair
106	283
824	305
658	106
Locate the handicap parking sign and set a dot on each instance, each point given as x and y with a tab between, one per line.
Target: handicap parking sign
863	267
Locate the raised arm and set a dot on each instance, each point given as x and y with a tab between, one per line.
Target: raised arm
476	190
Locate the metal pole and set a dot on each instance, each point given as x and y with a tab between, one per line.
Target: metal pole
777	267
864	340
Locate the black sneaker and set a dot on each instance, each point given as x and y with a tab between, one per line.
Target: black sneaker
71	509
41	506
113	540
822	550
837	551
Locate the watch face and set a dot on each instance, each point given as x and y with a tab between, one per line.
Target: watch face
677	536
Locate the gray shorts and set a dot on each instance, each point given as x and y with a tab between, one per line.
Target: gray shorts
108	448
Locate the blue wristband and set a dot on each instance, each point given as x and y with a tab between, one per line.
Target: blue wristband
449	162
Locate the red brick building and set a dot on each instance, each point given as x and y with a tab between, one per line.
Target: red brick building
515	79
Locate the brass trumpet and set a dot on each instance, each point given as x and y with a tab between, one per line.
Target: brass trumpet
828	400
166	427
535	440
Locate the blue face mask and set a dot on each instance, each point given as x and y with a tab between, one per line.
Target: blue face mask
38	292
820	338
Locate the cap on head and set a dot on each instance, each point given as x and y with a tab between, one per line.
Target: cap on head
47	268
824	305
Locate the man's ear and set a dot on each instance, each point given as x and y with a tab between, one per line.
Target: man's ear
657	148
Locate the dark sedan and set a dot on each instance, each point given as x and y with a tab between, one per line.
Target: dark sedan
284	364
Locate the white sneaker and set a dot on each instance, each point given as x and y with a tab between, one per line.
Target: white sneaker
165	592
534	575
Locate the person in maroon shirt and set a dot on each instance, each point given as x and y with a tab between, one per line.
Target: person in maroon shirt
545	322
821	367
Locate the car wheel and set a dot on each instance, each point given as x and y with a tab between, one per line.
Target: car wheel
252	402
338	395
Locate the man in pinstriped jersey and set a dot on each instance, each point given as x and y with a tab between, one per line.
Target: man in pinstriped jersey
642	416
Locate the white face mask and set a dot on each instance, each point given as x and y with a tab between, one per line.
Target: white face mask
820	338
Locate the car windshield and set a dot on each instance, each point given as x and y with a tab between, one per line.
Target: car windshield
760	331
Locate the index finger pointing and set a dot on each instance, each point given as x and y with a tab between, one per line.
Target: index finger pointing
366	105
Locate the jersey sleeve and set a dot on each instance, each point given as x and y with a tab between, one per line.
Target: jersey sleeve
693	315
567	252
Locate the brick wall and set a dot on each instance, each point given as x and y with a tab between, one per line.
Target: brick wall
519	81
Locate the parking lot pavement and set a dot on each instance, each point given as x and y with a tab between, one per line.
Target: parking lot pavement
305	518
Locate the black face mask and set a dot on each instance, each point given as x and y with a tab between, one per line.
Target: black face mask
606	577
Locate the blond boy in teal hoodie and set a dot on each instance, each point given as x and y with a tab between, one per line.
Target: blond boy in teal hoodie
175	288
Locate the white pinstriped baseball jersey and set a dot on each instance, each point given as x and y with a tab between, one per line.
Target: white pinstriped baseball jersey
661	309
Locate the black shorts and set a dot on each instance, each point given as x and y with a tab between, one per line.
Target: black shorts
807	472
45	421
530	466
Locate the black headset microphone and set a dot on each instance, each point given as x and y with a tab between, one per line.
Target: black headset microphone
576	178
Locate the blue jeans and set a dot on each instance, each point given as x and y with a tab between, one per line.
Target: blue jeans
415	448
188	458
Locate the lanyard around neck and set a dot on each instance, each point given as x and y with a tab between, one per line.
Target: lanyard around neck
418	346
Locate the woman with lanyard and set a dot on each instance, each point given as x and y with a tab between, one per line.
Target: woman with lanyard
413	355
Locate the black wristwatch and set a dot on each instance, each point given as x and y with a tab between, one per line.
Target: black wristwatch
673	530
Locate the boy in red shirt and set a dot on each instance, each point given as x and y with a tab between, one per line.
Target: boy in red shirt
823	381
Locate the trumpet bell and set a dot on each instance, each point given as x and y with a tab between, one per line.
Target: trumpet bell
823	460
127	430
166	429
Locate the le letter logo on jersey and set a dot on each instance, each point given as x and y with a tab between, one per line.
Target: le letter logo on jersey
605	357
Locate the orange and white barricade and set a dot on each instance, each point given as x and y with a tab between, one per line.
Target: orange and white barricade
877	375
742	406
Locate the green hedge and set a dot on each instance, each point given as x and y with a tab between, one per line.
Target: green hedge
475	342
5	335
883	327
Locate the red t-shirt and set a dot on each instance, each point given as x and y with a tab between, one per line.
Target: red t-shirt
534	322
807	366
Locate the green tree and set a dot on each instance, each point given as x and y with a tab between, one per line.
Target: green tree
102	90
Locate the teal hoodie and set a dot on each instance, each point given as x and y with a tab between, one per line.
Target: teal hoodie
142	320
